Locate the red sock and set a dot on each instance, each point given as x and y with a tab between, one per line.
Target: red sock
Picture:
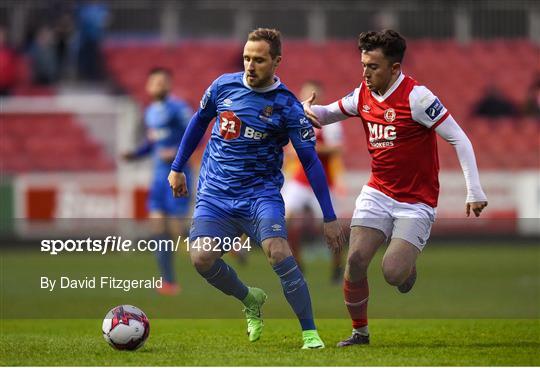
356	300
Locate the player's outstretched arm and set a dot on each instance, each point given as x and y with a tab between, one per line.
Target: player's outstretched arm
335	238
328	114
144	149
308	110
191	139
451	132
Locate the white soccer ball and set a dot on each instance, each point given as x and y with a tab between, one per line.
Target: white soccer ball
126	327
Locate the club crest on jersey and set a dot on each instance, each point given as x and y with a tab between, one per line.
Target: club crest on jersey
229	125
266	113
390	115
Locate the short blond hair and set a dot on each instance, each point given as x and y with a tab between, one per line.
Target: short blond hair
271	36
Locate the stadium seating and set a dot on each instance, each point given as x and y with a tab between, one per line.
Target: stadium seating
458	74
48	142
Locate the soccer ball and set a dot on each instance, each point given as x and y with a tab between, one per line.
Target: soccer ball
126	327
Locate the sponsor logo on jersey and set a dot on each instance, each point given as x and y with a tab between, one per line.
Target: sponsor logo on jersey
381	135
304	121
227	102
307	134
205	98
276	227
230	125
366	109
390	115
434	109
249	132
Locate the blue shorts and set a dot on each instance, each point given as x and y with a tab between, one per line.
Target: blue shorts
259	218
161	199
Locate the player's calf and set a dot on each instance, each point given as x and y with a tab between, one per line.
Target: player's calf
201	260
408	284
395	276
400	275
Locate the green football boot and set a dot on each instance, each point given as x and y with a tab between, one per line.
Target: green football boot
312	340
253	302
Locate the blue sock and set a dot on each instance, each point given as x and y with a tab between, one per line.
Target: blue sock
165	260
296	291
224	278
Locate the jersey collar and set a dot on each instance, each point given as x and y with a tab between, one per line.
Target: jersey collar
390	90
271	87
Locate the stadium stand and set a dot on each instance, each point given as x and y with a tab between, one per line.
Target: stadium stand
48	142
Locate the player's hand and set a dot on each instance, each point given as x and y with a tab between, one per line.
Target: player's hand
177	182
128	156
167	154
475	207
309	112
334	235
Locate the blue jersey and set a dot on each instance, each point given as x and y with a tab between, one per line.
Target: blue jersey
166	122
244	155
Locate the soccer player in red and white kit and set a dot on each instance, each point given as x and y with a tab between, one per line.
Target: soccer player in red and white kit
401	119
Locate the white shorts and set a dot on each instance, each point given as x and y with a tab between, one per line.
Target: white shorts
408	221
298	197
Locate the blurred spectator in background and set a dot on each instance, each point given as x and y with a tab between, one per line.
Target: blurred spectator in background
43	59
8	64
166	120
301	205
532	101
92	19
494	105
61	16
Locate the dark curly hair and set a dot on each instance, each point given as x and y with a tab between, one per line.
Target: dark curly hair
391	43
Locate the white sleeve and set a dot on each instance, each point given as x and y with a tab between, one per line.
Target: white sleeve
426	108
451	132
333	134
339	110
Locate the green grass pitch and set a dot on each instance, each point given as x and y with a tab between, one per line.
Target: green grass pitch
472	305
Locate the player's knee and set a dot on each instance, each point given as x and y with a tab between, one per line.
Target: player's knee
277	250
202	261
357	262
394	272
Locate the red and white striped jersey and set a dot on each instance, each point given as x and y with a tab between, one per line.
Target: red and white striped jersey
401	139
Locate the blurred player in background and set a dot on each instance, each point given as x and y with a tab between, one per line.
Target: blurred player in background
401	120
240	180
165	120
301	206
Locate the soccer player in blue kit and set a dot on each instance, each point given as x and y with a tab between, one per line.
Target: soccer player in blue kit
240	179
165	120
